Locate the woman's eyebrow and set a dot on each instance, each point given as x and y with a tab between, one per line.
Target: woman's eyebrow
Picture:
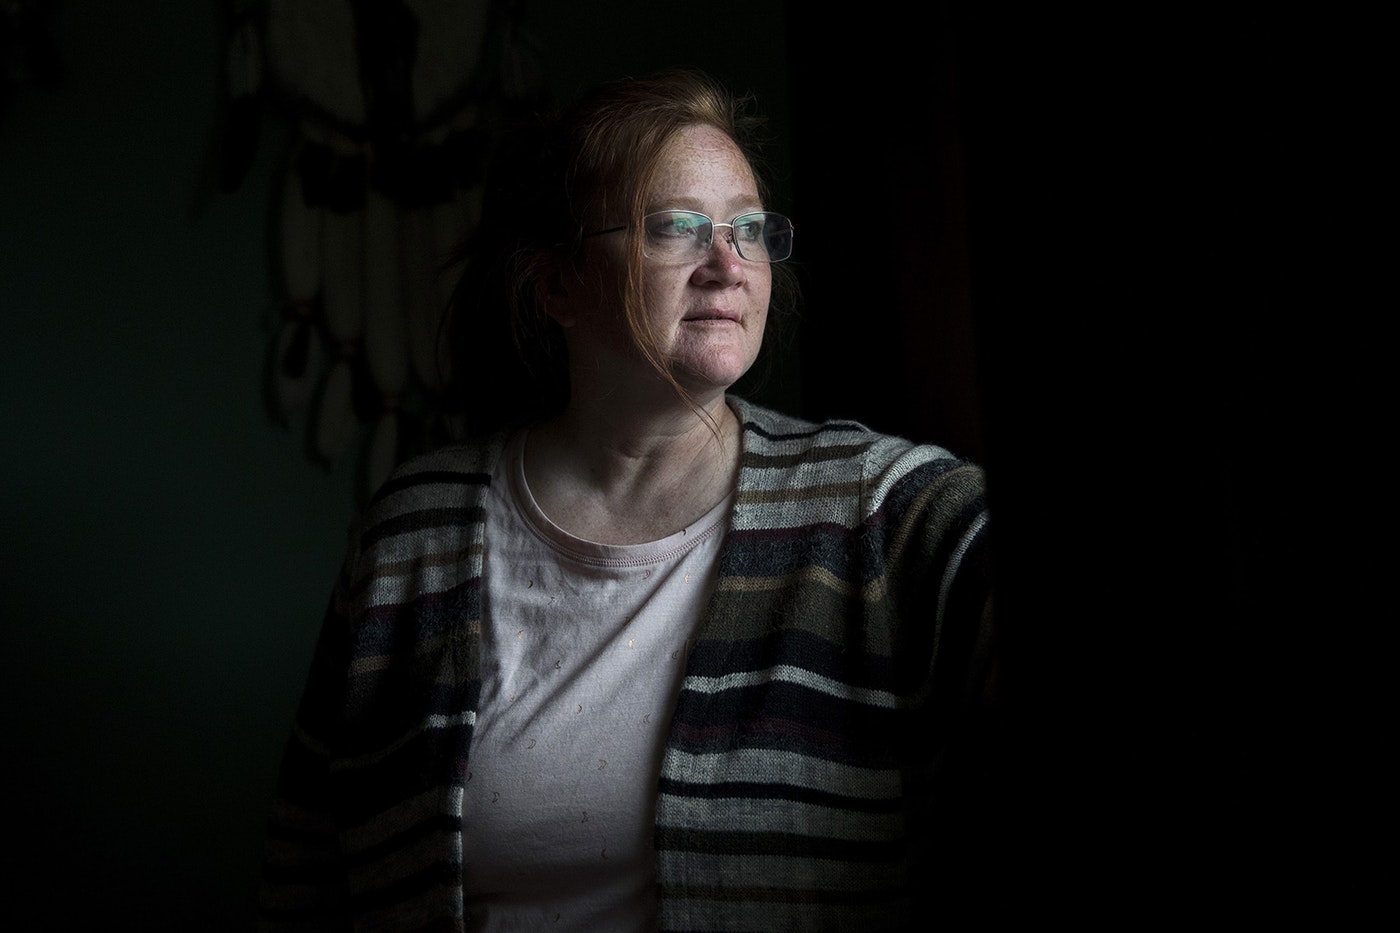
732	208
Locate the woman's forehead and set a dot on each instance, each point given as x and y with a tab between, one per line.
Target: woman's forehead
702	164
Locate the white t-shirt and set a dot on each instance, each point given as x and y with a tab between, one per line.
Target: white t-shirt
583	651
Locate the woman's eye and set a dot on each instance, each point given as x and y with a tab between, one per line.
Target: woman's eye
674	227
750	231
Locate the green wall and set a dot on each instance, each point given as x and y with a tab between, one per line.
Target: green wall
166	548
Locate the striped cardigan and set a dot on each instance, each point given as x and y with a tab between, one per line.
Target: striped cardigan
846	634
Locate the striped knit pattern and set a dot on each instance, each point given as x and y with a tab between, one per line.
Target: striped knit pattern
845	636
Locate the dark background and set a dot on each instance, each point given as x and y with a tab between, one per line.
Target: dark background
1130	263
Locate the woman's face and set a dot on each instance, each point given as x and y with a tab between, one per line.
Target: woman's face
708	313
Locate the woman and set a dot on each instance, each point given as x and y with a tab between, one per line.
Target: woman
640	655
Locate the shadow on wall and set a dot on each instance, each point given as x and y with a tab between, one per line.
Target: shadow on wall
390	113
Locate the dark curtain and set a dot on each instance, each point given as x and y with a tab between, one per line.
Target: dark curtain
1128	261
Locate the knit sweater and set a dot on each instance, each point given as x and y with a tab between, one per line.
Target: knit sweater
846	636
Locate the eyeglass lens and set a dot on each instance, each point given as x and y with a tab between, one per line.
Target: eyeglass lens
760	236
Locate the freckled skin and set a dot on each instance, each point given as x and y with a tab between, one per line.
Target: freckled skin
715	311
709	314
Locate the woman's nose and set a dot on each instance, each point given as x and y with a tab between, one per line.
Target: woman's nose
722	260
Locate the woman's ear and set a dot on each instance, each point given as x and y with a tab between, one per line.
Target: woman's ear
557	290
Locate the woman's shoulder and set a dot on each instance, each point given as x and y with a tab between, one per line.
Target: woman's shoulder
421	530
842	445
846	459
445	478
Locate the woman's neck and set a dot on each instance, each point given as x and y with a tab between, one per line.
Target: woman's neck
627	474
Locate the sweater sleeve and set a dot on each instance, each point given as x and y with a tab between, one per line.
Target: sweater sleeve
303	881
365	822
939	554
931	512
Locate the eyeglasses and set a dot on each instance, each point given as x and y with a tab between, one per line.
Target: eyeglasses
686	236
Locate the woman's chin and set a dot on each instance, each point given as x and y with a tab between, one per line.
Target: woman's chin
707	382
711	368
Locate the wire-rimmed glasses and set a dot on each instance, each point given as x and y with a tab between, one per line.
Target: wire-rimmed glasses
686	236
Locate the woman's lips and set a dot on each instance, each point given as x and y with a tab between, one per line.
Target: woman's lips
712	317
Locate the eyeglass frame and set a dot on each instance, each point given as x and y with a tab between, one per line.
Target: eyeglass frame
714	226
